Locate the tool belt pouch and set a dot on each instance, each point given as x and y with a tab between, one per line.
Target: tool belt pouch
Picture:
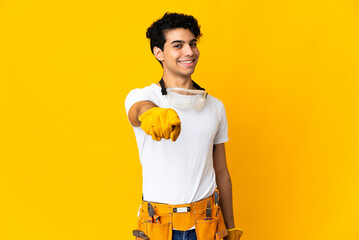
209	223
155	231
210	229
221	228
206	229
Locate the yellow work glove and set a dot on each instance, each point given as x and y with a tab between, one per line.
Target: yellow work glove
234	234
161	123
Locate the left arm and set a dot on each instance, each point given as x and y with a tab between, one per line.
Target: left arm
224	184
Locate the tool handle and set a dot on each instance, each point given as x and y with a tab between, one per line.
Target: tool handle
216	197
140	234
156	219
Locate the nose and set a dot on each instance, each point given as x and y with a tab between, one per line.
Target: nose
188	51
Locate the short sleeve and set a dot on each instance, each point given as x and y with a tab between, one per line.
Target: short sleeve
222	132
137	95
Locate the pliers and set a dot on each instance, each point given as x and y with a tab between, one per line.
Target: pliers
208	211
153	217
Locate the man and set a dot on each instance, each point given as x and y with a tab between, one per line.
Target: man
180	132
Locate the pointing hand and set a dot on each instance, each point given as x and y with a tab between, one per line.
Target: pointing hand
161	123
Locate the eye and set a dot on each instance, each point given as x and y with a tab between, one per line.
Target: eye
193	44
177	46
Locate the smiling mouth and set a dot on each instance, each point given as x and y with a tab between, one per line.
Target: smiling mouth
188	61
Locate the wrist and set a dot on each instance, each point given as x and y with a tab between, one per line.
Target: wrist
230	226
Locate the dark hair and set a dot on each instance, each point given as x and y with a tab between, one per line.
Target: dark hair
156	32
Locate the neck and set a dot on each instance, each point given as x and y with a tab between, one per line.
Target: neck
177	81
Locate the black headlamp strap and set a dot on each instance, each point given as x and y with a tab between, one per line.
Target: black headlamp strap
197	86
164	91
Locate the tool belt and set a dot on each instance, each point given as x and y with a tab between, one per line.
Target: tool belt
156	220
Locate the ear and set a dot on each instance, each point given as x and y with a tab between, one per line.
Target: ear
158	53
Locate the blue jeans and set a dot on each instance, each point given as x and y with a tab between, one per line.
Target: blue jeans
184	235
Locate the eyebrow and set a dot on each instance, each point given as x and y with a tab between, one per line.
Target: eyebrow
181	41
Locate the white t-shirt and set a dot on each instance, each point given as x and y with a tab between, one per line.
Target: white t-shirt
180	172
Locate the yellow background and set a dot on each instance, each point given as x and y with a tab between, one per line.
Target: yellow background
287	72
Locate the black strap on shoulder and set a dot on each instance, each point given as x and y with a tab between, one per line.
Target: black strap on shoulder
164	91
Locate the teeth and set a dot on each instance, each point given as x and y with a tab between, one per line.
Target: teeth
186	61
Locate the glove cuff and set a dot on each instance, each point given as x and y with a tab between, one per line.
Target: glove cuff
234	233
233	229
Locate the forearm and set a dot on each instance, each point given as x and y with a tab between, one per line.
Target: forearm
137	109
224	185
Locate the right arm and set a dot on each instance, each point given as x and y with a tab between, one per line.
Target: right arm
137	109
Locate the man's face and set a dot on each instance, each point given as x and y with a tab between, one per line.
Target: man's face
180	53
